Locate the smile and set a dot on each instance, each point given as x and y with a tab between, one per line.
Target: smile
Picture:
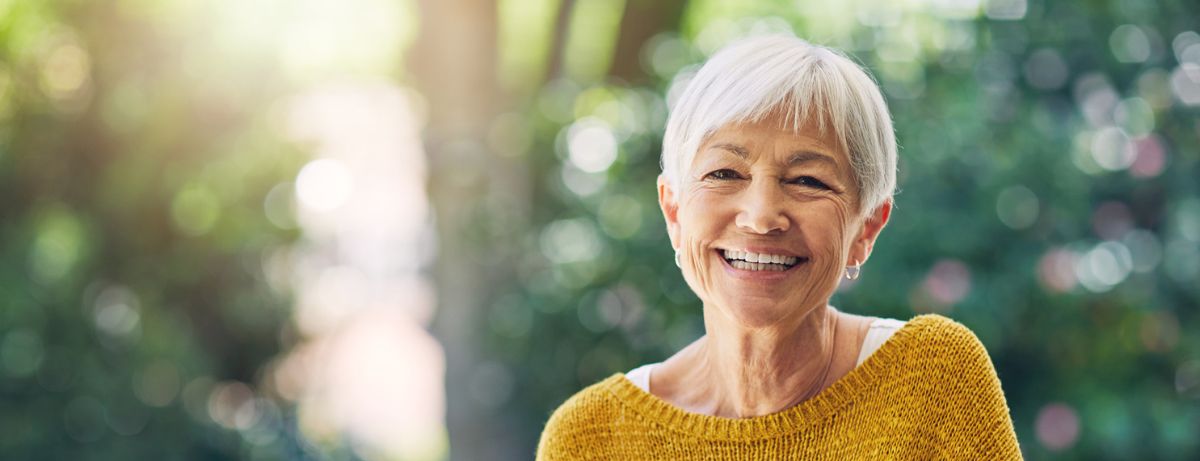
750	261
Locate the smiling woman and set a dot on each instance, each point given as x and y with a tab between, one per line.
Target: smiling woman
778	170
762	190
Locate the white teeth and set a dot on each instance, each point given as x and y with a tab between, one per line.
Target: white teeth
747	266
759	258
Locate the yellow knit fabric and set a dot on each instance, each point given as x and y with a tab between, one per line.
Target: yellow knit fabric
929	392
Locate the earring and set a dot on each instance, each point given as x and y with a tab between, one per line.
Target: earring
852	272
677	263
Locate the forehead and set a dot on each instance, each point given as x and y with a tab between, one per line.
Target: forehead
774	136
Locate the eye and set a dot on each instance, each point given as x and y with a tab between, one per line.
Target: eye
809	181
723	175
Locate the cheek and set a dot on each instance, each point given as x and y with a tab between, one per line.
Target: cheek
696	268
827	235
700	216
698	225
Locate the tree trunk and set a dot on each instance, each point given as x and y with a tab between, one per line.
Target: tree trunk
454	65
641	20
562	22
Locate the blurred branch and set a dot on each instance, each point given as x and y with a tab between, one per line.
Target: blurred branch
559	40
641	21
454	62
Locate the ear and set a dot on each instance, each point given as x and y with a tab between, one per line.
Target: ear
668	201
860	249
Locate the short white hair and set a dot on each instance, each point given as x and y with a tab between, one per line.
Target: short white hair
749	79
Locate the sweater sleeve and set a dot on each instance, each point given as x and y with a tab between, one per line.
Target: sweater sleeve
980	426
554	444
578	429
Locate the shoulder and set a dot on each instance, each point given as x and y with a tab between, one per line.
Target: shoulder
960	384
588	404
934	332
948	353
575	426
937	345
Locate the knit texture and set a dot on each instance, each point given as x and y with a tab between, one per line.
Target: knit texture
930	392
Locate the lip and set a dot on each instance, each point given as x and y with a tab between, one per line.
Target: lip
761	276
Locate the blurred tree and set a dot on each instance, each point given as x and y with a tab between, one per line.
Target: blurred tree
454	65
130	217
641	20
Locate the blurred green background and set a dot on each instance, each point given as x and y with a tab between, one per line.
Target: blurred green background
398	230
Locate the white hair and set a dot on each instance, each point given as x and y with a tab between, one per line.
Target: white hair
746	81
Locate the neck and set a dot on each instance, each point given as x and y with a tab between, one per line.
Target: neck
754	372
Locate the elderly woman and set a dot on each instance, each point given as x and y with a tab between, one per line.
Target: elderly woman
779	166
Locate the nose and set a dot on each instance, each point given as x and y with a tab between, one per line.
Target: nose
762	210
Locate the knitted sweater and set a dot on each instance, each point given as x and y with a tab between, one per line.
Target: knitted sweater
930	392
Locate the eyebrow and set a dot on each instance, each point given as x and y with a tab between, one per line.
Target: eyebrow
797	157
734	149
804	156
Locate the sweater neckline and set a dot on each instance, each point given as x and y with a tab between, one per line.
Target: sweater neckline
830	400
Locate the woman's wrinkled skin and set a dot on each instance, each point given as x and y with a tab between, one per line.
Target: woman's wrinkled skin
760	185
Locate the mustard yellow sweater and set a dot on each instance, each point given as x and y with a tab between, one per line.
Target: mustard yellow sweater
929	392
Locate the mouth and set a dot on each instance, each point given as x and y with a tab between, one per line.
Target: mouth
755	262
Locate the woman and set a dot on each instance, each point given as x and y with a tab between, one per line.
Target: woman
778	170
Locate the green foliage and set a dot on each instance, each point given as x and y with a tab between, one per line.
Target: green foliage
133	233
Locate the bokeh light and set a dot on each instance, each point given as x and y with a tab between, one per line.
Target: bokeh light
1056	270
570	240
59	245
115	312
1185	83
157	384
1112	150
948	282
324	185
1017	207
1046	70
1151	157
1057	426
591	144
1129	43
1104	266
195	209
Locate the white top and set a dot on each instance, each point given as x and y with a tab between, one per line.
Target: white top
878	333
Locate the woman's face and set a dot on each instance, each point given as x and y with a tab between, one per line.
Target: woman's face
766	221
